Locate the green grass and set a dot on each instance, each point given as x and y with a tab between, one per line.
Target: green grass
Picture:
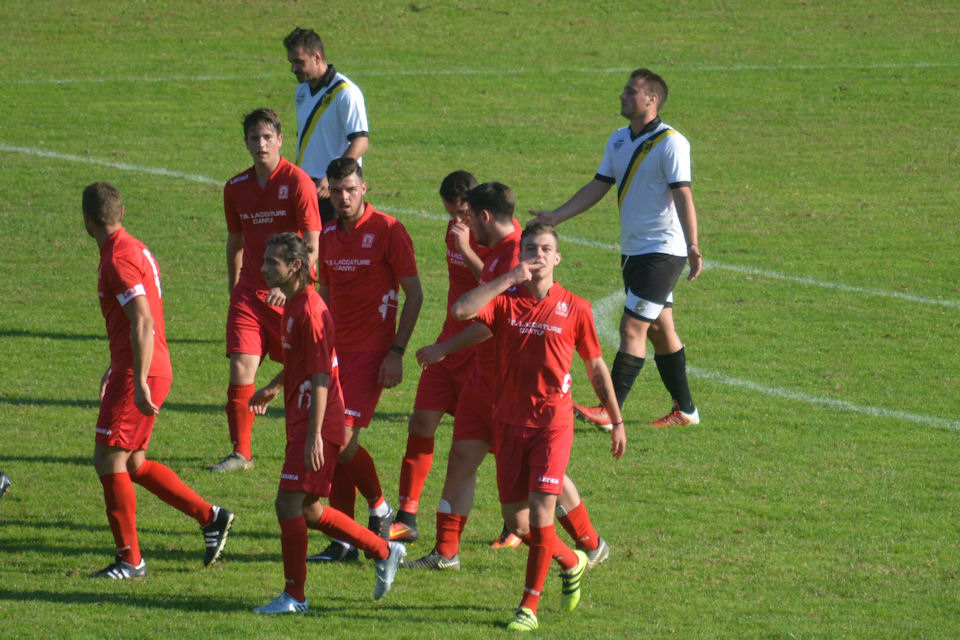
818	498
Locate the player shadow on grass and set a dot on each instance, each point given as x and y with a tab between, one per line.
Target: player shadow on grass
126	598
88	403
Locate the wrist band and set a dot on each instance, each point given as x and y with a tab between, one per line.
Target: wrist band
397	349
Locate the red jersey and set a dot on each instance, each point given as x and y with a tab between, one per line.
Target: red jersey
534	341
363	269
127	270
287	203
461	280
307	335
503	257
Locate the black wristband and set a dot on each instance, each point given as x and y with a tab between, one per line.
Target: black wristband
397	349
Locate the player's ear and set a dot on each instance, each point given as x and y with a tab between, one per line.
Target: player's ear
557	261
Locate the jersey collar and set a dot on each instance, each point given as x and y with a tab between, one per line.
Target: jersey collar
325	81
647	128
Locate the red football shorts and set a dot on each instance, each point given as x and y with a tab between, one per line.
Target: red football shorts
440	384
120	423
359	371
531	459
294	475
474	417
253	326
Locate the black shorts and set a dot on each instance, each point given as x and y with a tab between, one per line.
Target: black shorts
648	281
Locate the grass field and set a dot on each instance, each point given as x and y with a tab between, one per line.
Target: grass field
819	497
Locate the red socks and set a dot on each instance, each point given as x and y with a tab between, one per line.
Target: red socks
121	502
161	481
339	526
577	524
541	540
293	547
414	469
240	418
449	528
364	474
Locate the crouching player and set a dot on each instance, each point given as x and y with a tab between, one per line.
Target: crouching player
315	428
536	325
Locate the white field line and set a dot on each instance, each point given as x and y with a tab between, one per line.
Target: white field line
360	73
605	309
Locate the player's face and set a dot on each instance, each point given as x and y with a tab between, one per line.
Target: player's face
458	210
275	270
263	143
477	227
635	101
308	67
540	252
346	196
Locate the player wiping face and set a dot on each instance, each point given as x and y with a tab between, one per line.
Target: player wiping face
538	256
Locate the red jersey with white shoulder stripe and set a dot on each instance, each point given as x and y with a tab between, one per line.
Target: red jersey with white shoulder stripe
534	341
128	270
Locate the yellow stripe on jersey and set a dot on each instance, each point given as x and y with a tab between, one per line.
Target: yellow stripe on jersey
638	156
318	111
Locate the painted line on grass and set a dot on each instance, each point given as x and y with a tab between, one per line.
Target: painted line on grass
359	73
606	310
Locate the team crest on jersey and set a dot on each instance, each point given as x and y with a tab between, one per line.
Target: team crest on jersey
367	241
563	309
283	192
617	144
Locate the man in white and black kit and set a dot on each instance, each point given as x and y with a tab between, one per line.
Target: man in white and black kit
649	162
331	115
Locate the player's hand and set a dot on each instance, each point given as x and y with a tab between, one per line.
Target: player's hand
696	261
525	270
545	216
323	189
391	371
431	354
103	382
461	235
276	298
143	400
618	439
262	398
313	454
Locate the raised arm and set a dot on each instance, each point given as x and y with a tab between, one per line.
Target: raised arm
588	195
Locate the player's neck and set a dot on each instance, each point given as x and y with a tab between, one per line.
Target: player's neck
264	171
641	121
102	234
539	289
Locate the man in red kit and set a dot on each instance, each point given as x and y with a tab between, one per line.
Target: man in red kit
536	326
313	404
133	389
440	385
271	197
366	257
491	208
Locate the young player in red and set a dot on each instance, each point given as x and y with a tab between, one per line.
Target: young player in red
133	389
366	258
440	385
491	217
315	428
536	326
271	197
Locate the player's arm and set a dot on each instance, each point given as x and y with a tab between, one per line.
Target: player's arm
141	342
469	304
312	240
313	452
357	147
434	353
234	259
461	238
391	371
599	376
588	195
103	381
264	396
687	213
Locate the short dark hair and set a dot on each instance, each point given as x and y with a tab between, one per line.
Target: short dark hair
340	168
456	184
102	203
292	247
495	197
306	39
263	115
653	84
535	228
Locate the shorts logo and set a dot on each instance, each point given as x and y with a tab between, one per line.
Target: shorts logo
563	309
352	413
105	432
289	476
548	480
283	192
640	306
367	241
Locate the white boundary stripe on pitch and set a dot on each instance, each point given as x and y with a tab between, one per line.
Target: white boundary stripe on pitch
606	309
359	73
603	310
